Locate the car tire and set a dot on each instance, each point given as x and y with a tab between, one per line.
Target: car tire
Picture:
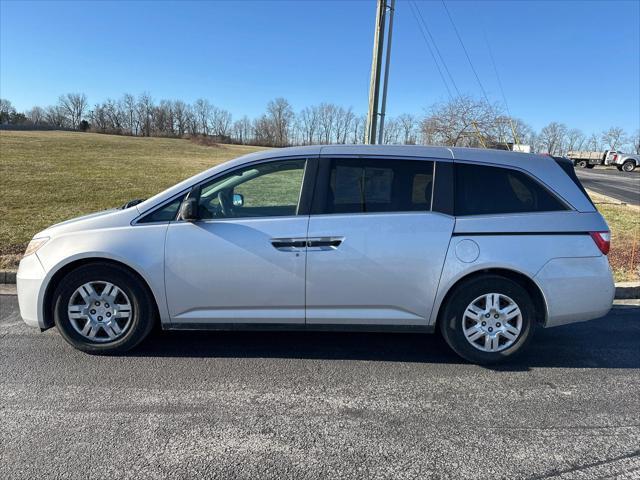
581	163
628	166
455	319
86	319
590	165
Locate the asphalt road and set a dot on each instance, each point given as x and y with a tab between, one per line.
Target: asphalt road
320	405
609	181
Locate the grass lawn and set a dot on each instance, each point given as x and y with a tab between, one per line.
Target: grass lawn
624	223
47	177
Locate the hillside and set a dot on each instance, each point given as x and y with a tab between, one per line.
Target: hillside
47	177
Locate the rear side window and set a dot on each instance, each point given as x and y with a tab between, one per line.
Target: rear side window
483	190
379	185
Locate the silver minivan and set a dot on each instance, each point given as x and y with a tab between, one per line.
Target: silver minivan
484	245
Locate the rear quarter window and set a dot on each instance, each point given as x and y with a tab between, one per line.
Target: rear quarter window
485	190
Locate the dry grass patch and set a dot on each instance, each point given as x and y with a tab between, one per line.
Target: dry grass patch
624	257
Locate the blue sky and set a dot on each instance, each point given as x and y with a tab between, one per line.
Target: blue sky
577	62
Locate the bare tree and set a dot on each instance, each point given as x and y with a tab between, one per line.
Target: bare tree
635	142
326	118
74	106
115	114
407	124
343	120
523	133
220	122
163	119
180	113
36	115
242	130
358	129
144	108
55	116
575	139
202	109
281	116
461	121
263	131
309	122
552	138
130	113
613	137
392	131
593	143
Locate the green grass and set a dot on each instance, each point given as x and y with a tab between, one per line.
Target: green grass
47	177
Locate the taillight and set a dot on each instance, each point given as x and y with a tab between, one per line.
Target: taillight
603	241
615	157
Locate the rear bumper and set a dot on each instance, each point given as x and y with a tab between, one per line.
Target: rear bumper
576	289
29	283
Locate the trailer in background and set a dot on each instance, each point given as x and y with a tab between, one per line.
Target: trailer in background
589	159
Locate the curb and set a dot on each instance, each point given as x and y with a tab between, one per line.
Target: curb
8	276
624	290
627	290
601	198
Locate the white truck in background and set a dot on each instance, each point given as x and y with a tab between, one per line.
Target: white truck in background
589	159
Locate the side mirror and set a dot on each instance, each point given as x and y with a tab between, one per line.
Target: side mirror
189	210
238	200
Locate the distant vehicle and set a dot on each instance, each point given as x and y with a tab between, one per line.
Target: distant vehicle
484	245
518	147
589	159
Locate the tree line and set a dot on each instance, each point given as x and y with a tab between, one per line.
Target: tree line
461	121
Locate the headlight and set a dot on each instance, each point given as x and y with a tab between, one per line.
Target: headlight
35	244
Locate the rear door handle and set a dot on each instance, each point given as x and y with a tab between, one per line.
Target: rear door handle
324	243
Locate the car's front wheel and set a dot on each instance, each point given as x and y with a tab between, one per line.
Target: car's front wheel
488	319
103	308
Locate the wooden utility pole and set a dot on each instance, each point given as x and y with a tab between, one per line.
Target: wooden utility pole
387	61
376	64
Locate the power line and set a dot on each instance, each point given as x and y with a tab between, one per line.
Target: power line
495	69
444	64
430	50
484	93
504	97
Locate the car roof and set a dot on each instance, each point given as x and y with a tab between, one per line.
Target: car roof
543	167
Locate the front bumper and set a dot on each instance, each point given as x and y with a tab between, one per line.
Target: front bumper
576	289
29	283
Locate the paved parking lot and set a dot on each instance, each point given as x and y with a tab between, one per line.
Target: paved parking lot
320	405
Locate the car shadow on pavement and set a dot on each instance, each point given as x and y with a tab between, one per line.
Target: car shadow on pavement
610	342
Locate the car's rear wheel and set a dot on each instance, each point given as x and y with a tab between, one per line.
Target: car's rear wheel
488	319
103	308
628	166
582	164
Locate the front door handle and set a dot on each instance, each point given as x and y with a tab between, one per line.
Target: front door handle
288	244
324	243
